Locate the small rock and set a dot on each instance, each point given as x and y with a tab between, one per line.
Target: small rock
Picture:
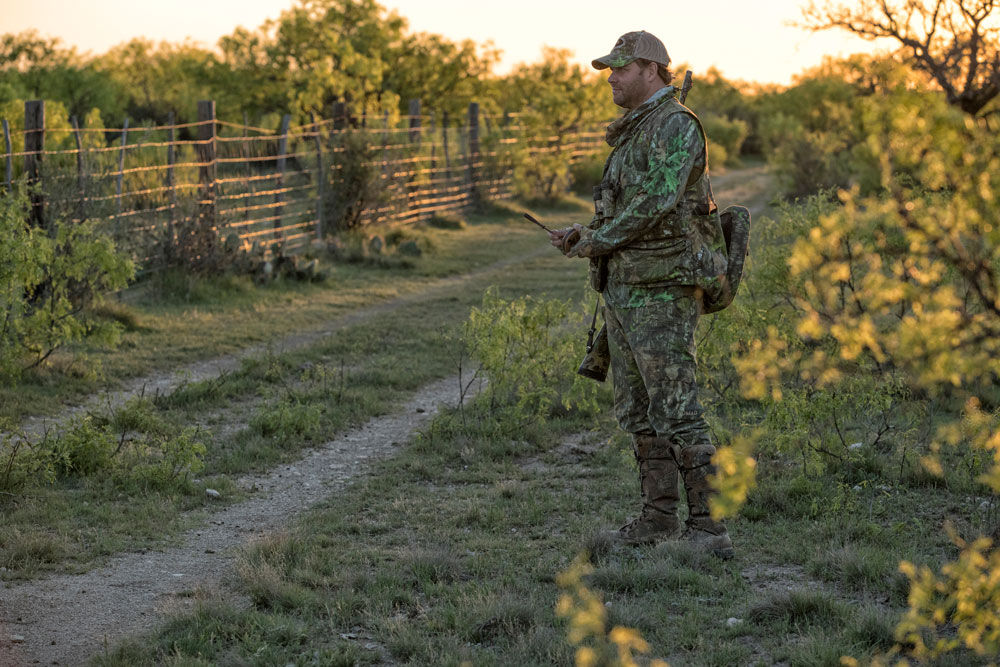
212	493
856	446
17	639
731	622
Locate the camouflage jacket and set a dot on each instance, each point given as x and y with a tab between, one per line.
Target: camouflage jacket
657	225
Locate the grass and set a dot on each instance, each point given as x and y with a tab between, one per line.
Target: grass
447	553
180	321
275	404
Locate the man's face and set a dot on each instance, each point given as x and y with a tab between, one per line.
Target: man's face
629	85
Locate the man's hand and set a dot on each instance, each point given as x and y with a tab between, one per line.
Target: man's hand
556	237
566	239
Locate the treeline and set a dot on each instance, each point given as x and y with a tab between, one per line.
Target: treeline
323	52
314	55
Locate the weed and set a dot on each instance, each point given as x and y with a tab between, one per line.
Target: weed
436	566
287	419
858	567
505	618
798	608
263	570
85	448
872	629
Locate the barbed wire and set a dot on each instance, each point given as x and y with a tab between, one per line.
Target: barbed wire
141	181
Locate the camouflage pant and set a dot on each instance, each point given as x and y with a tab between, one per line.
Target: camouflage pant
653	366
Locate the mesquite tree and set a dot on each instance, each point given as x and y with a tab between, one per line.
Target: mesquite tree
955	42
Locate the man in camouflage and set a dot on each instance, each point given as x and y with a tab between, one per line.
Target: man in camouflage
657	251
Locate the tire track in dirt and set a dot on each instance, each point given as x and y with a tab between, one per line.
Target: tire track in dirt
67	619
752	187
35	427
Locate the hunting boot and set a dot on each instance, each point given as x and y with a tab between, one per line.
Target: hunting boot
702	530
660	493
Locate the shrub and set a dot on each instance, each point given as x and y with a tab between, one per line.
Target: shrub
725	138
21	464
355	182
48	280
527	358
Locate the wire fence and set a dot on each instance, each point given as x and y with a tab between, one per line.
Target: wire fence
177	191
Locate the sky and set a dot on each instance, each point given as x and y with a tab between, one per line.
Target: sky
748	41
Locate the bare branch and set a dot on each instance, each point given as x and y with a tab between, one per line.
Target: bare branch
955	42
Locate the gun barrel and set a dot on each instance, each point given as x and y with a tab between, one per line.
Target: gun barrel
532	219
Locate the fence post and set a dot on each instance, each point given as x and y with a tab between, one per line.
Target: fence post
473	150
319	178
414	113
444	143
34	144
341	115
279	197
385	139
171	189
9	160
80	170
121	179
206	170
433	145
245	150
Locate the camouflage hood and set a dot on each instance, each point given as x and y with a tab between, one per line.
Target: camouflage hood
623	126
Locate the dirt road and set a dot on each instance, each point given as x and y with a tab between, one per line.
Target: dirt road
67	619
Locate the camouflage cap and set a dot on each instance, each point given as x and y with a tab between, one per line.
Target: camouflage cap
633	45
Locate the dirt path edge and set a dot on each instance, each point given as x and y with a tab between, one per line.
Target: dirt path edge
67	619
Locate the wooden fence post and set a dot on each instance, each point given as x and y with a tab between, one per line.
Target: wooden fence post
341	115
473	157
433	145
10	161
414	114
279	198
319	178
121	179
385	139
206	171
171	243
81	171
34	144
245	150
444	142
